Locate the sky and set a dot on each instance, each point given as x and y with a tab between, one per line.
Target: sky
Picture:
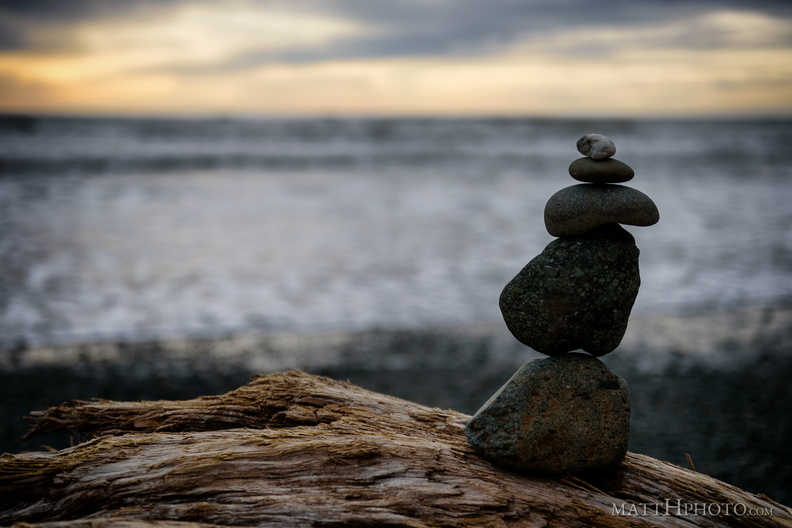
397	57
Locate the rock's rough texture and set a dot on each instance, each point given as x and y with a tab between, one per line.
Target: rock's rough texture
563	414
576	294
596	146
608	170
580	208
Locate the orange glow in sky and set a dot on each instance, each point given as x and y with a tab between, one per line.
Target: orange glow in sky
257	57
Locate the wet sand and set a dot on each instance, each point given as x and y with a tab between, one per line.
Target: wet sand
715	387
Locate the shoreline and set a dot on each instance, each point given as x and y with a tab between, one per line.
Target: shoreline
653	340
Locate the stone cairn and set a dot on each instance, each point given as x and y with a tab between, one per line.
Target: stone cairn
570	412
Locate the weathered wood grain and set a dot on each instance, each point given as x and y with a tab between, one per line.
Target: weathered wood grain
293	449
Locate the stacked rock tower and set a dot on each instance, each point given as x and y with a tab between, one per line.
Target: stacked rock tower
570	412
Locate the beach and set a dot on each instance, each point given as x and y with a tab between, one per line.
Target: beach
718	391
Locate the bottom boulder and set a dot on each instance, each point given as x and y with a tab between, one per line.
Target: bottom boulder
562	414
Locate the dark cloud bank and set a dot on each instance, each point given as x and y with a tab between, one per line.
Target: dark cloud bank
405	28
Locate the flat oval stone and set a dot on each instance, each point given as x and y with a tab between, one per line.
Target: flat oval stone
603	171
596	146
576	294
563	414
580	208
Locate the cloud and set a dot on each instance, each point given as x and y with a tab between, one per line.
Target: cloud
406	28
446	28
455	30
717	30
397	56
38	25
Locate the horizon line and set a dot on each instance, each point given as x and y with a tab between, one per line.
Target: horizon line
781	114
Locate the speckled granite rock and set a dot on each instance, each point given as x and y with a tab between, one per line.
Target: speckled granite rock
576	294
604	171
577	209
596	146
563	414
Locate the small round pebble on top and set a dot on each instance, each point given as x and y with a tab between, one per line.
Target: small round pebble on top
596	146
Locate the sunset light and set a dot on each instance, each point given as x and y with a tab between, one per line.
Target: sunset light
239	56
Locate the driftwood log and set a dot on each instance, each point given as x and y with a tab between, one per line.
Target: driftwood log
293	449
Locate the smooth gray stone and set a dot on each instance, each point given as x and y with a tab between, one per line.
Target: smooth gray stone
596	146
576	294
603	171
580	208
568	413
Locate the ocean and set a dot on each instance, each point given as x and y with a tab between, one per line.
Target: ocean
140	228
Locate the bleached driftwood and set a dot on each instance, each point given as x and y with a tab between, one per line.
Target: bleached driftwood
293	449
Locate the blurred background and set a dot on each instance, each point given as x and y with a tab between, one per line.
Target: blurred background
192	192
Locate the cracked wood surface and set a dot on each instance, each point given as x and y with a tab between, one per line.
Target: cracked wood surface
292	449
